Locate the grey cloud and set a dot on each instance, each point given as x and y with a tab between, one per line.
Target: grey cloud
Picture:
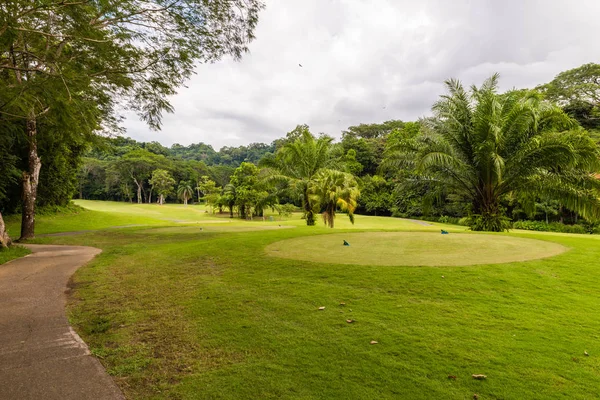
359	57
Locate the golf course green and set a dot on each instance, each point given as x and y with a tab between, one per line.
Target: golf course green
413	248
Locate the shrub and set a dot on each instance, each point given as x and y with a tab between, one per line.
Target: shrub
551	227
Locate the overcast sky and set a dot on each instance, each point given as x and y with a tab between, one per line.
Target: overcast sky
372	61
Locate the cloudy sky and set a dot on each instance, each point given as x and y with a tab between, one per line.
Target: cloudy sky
372	61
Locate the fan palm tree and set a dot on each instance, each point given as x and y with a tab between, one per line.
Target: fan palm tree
332	190
298	163
185	191
485	146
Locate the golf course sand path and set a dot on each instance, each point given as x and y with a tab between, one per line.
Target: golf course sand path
41	357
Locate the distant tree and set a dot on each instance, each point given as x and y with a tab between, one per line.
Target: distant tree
185	191
332	190
138	165
349	163
483	146
376	195
247	192
577	91
297	133
208	190
228	198
163	184
373	131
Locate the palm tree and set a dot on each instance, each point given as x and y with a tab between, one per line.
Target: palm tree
228	198
298	163
185	191
332	190
485	146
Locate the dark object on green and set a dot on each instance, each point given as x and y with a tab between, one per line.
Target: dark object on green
444	232
346	243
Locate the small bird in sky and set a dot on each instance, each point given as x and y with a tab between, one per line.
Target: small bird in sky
300	65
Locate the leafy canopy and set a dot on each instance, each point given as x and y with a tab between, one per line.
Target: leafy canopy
483	146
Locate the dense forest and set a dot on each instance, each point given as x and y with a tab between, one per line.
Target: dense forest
489	160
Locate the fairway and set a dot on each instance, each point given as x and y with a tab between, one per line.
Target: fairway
413	248
200	306
211	226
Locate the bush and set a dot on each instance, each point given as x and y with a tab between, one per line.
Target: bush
285	210
49	210
464	221
444	219
551	227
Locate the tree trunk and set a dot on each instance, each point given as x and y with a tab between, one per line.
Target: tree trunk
310	215
139	191
30	182
490	217
560	212
4	238
150	197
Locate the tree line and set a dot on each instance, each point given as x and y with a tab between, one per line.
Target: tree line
483	158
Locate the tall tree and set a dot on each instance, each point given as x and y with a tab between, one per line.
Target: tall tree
578	92
208	190
137	166
185	191
483	146
92	54
332	190
247	193
298	162
163	183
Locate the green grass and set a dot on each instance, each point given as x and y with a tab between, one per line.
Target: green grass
413	249
11	253
185	313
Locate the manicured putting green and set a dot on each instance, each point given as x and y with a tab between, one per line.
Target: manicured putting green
413	249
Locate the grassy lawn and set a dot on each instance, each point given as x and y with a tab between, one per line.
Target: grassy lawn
12	253
194	307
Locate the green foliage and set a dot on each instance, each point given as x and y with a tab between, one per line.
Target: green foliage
376	195
12	252
298	163
578	92
373	131
185	191
250	197
549	227
331	190
162	183
285	210
483	146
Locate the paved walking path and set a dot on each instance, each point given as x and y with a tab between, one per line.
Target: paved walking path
41	357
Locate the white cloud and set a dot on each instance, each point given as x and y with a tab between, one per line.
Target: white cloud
372	61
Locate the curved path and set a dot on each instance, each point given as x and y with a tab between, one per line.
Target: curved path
41	357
